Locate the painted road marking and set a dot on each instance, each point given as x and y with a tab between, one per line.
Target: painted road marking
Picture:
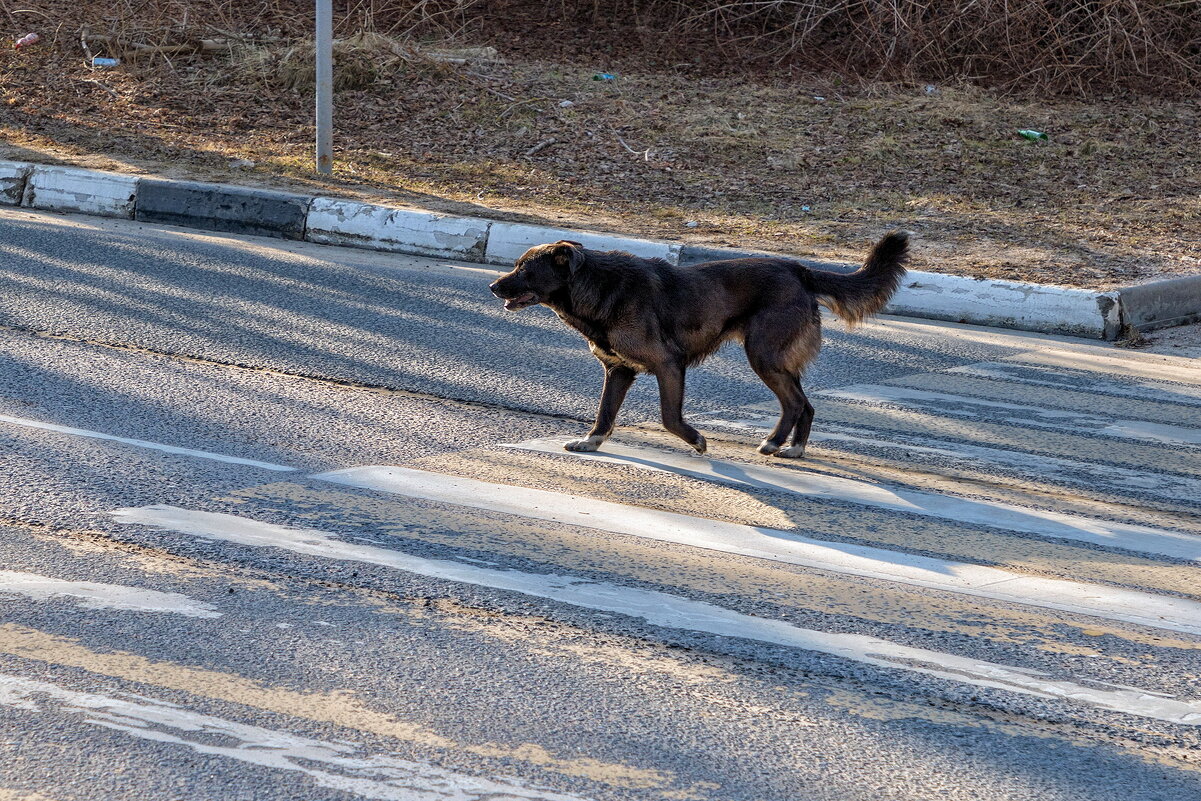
1111	603
334	765
888	422
981	457
141	443
962	406
1129	365
338	707
95	595
1141	389
670	611
993	514
1055	399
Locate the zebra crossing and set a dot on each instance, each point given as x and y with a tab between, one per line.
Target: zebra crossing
1111	545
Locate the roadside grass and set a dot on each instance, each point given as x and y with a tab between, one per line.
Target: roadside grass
812	164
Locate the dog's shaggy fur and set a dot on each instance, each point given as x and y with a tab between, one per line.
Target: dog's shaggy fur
647	316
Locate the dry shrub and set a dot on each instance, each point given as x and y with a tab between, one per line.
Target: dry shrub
1059	45
1062	46
1084	47
359	62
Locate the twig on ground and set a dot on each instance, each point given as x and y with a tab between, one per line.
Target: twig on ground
116	95
543	145
524	103
646	154
83	41
501	95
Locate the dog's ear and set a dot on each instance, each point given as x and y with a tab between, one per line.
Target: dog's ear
568	255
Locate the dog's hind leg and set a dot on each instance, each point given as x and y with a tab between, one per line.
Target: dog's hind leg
800	435
671	405
778	346
618	380
792	407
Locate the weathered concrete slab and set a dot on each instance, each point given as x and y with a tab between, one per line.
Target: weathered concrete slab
1159	304
219	207
105	194
13	175
1008	304
333	221
507	241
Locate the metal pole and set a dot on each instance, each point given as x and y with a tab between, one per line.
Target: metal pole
325	86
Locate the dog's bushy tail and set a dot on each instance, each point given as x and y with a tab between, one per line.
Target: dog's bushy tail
864	292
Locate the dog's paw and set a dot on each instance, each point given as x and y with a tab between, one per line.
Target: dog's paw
701	445
583	445
767	447
791	452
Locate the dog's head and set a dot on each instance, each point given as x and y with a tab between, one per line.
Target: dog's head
541	271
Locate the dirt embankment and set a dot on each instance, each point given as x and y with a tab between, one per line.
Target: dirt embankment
806	162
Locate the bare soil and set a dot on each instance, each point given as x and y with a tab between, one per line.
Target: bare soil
813	165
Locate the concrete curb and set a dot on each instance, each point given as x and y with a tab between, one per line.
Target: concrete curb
336	221
13	175
104	194
507	241
218	207
980	301
1160	304
333	221
1008	304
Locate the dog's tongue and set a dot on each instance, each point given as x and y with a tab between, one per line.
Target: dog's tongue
513	303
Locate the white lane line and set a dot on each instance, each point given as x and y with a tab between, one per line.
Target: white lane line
95	595
1172	486
1128	365
1110	603
141	443
1165	485
333	765
994	514
670	611
947	405
1030	375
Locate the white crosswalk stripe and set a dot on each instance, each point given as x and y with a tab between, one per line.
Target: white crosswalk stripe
1111	603
671	611
966	406
1140	388
988	416
993	514
98	595
339	766
1031	393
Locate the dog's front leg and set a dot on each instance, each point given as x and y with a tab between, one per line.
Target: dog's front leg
671	405
617	383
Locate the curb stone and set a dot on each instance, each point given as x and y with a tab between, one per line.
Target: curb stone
333	221
507	241
1009	304
1006	304
1161	304
13	175
219	207
104	194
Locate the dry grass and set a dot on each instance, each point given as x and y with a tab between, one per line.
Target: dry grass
1076	46
810	163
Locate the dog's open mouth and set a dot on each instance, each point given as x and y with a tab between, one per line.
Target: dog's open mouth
521	301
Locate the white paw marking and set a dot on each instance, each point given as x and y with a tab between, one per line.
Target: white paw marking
583	445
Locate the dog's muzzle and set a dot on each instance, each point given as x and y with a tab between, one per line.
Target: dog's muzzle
514	302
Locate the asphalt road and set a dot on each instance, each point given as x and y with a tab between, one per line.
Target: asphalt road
264	534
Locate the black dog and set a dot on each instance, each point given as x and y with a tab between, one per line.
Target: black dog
646	316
